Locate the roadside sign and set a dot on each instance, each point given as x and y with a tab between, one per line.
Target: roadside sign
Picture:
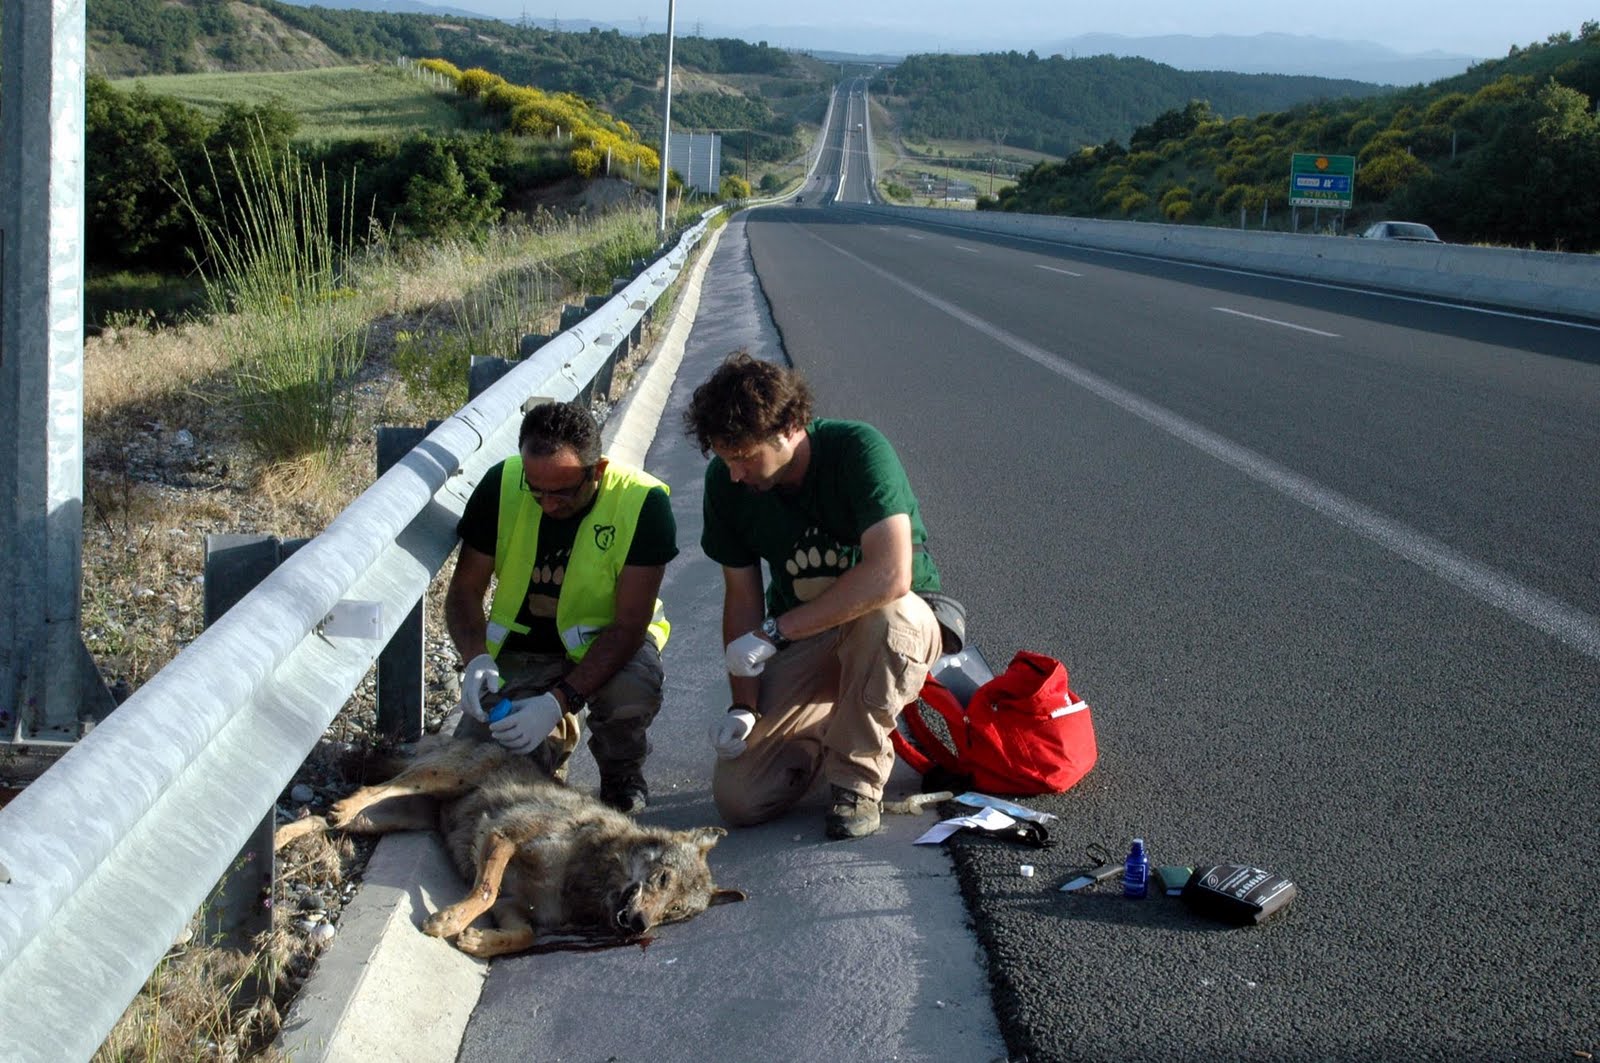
1322	181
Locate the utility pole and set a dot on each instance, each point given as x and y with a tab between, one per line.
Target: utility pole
666	122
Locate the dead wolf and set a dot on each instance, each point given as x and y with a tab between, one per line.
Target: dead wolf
541	858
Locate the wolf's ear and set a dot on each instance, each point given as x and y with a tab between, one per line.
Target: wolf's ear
722	896
703	838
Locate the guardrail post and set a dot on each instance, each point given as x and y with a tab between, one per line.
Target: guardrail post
240	907
530	343
484	370
400	680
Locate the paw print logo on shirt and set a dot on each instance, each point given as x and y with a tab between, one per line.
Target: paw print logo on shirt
544	585
817	561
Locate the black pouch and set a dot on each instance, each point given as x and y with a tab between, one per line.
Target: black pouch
1237	893
952	617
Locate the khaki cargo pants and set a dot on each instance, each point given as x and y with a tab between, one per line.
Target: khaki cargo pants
618	714
828	704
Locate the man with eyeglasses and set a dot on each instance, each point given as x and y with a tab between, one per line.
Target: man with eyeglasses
578	546
821	660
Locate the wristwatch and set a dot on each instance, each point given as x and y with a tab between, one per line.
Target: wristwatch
769	631
575	700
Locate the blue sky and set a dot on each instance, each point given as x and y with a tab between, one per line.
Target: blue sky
1472	27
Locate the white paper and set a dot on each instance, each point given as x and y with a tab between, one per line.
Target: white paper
985	819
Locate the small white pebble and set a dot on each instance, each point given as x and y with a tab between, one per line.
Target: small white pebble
938	1003
322	933
1026	870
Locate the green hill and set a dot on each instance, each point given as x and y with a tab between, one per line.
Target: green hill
1058	105
621	74
332	103
1504	153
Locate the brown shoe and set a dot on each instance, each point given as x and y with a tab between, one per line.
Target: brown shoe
851	815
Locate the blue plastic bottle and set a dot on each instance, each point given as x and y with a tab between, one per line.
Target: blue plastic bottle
1136	873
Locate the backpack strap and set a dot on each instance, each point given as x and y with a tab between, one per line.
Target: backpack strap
928	751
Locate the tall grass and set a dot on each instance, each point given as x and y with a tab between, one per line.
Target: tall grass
273	268
507	285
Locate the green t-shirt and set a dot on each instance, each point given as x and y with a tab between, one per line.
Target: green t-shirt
810	535
655	542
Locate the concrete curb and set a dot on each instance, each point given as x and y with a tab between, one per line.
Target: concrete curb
631	429
384	991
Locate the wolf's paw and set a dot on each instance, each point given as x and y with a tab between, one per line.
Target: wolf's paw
344	812
486	943
441	924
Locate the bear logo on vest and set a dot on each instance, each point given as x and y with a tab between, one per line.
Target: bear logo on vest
605	535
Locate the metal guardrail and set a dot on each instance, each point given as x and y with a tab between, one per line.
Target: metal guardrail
107	856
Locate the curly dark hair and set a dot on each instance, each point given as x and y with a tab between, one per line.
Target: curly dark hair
746	402
550	426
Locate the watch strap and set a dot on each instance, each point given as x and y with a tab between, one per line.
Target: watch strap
769	628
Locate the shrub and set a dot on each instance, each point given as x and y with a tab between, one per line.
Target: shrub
1385	175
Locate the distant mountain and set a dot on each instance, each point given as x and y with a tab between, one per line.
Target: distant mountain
396	7
1276	53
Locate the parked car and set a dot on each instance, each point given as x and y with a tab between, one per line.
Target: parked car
1402	230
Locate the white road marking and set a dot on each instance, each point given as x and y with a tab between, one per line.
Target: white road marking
1275	321
915	236
1556	618
968	250
1054	269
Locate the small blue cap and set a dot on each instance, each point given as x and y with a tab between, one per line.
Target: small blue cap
501	711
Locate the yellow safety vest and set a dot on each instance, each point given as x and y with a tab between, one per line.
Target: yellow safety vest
587	603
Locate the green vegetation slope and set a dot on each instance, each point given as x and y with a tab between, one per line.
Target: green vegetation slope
1505	153
1058	105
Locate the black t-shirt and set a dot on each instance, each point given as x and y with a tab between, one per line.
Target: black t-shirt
655	542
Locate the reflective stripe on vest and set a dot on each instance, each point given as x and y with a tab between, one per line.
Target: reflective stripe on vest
588	598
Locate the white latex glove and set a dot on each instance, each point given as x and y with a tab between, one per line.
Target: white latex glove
729	732
531	721
747	655
482	676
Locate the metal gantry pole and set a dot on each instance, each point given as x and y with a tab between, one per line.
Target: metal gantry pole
47	680
666	120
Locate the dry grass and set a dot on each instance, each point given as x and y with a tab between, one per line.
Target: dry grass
165	465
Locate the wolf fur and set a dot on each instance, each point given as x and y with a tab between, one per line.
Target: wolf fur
542	858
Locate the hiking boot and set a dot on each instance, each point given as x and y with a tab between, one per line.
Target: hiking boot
627	795
851	815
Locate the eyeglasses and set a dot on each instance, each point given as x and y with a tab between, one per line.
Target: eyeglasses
561	494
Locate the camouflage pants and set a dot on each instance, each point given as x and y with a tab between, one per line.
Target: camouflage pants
618	714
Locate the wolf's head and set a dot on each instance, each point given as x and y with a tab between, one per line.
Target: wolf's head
668	879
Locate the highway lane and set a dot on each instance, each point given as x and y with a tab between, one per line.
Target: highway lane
1326	566
842	171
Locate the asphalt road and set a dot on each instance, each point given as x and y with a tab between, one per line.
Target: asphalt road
1327	567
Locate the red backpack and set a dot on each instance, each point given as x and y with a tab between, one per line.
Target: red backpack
1023	733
